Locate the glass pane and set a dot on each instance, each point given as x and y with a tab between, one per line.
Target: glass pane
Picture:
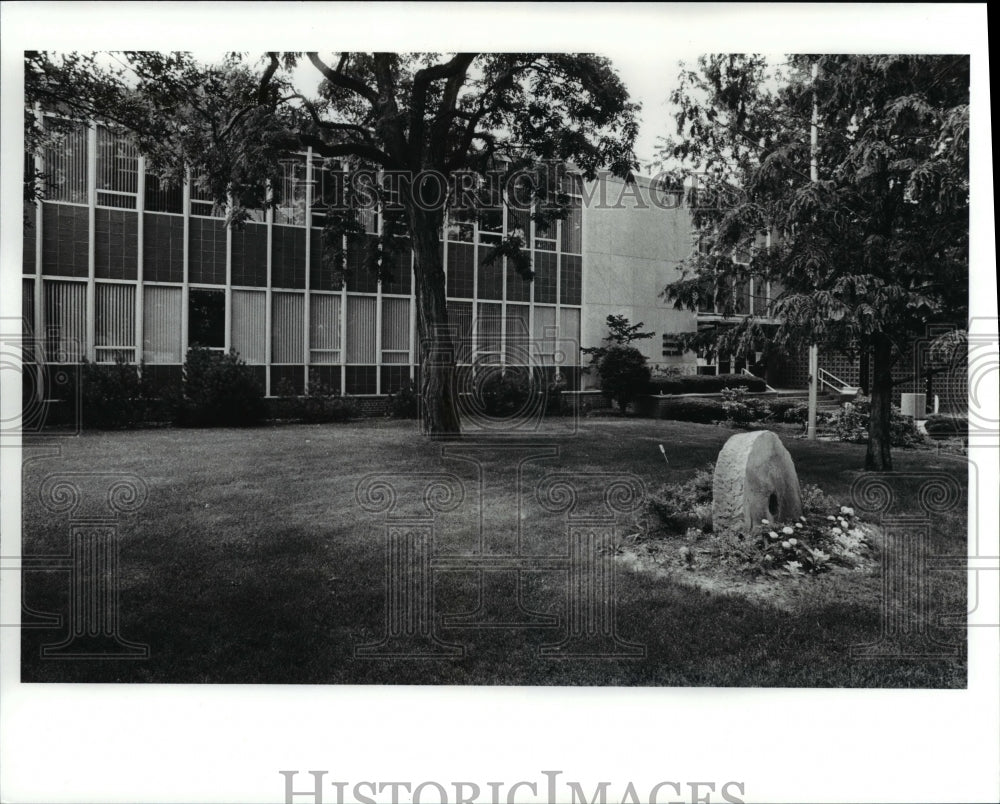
286	340
161	324
360	329
207	318
115	317
249	336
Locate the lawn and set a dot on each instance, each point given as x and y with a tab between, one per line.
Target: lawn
253	562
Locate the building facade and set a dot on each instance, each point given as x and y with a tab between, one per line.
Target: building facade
117	266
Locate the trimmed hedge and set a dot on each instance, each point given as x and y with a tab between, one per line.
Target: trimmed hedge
694	409
943	425
704	383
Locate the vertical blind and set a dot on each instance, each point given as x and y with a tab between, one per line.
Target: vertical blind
65	321
287	321
324	328
248	321
114	328
161	324
395	330
361	329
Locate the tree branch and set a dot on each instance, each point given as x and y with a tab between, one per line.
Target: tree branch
362	150
422	81
339	79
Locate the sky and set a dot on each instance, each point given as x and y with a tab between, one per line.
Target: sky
649	82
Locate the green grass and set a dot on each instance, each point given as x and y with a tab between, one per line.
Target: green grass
252	562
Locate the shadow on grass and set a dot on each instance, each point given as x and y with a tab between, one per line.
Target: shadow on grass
252	564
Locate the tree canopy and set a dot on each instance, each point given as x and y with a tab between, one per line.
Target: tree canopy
867	256
423	118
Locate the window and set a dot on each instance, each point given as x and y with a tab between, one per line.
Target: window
395	330
324	328
202	201
361	329
115	323
572	227
161	325
65	321
488	331
287	322
544	336
117	170
569	336
163	195
518	339
65	166
291	192
249	337
207	318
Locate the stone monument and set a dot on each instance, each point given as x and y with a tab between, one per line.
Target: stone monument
754	479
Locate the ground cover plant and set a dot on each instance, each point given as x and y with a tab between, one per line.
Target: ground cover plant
252	562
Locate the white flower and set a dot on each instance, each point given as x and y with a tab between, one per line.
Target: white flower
798	524
765	522
788	531
786	545
846	511
832	518
773	535
802	518
837	531
793	542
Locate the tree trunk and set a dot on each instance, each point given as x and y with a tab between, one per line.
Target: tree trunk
437	354
878	458
864	370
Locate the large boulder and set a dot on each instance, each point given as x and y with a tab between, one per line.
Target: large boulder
754	479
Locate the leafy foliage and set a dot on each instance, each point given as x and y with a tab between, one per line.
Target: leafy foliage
741	409
620	333
405	403
623	374
219	390
868	255
503	394
852	420
422	119
112	396
704	383
690	409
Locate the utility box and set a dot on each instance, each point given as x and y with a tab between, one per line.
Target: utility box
914	405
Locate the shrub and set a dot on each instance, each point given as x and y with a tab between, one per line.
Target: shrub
851	424
623	374
405	403
323	404
112	396
942	425
704	411
554	402
504	393
786	410
741	409
680	506
218	390
704	383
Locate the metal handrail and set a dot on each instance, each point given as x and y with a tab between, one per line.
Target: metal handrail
841	385
751	374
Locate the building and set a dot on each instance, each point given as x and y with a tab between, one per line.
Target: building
118	267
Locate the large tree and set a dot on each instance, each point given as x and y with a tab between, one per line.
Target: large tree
870	254
424	119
